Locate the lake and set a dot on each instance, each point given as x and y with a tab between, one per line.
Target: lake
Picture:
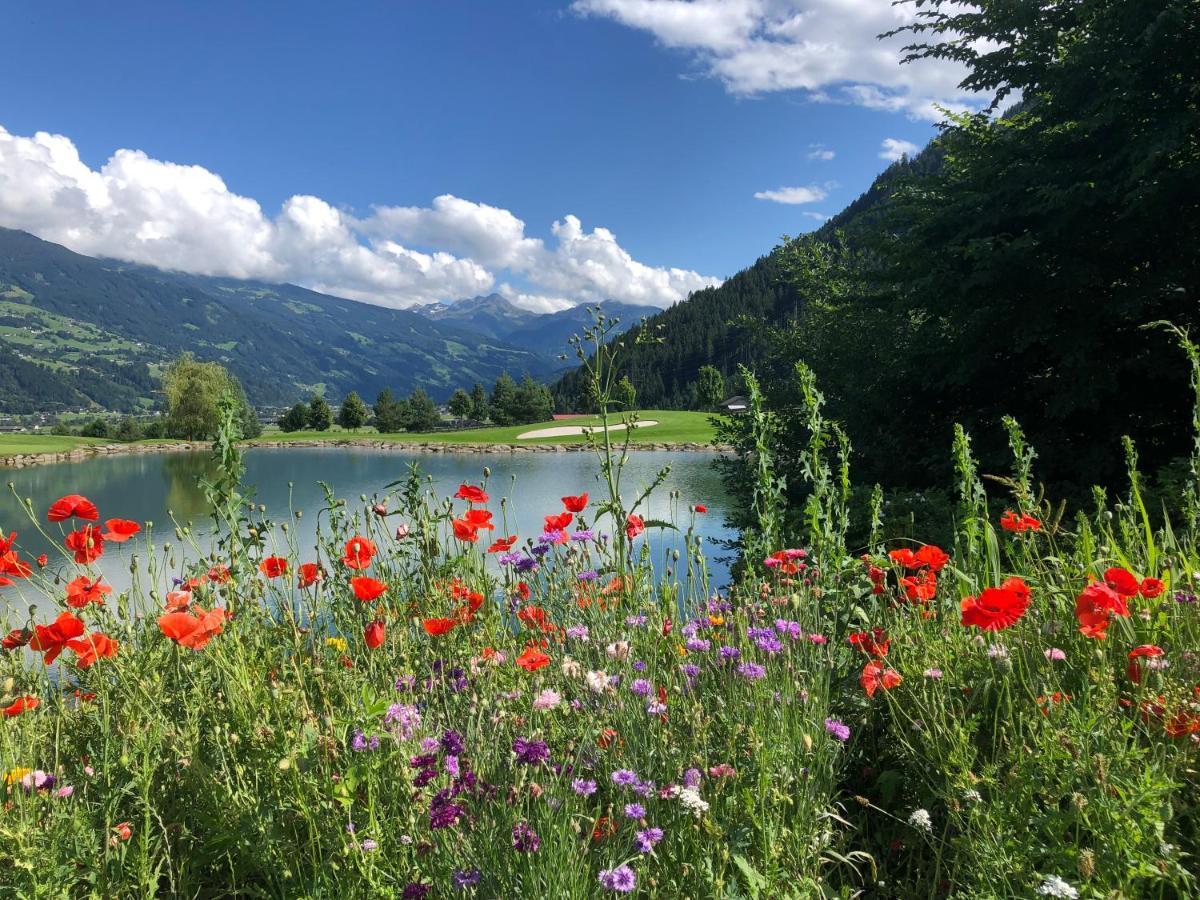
144	487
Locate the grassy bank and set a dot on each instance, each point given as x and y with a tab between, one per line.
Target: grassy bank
673	426
20	444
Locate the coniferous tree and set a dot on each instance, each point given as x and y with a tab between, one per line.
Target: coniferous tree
479	403
389	417
422	412
353	412
460	404
504	394
320	416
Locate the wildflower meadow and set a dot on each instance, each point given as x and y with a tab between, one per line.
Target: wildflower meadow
427	705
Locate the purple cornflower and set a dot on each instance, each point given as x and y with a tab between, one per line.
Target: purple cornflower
530	752
639	665
405	716
728	653
525	839
643	788
790	628
655	708
647	839
768	643
406	683
369	845
452	743
697	644
511	558
751	671
935	673
588	575
641	687
837	728
1184	597
624	777
635	811
465	878
583	535
578	632
443	813
691	670
584	787
360	743
635	621
691	778
622	879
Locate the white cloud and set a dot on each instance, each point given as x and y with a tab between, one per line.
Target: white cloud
183	217
813	193
894	149
816	216
820	153
827	48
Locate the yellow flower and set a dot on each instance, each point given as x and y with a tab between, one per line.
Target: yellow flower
337	643
682	649
15	775
716	620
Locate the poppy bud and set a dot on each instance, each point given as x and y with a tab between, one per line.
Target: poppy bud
374	634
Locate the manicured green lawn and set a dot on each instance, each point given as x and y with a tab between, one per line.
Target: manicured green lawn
673	427
13	444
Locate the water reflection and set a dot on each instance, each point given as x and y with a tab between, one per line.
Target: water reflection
145	487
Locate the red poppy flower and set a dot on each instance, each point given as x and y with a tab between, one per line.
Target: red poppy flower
1122	581
903	557
634	526
480	518
309	574
465	531
575	504
523	590
1148	651
700	508
933	556
93	647
120	530
874	642
51	639
178	601
6	543
604	828
72	505
1152	587
42	560
471	493
921	587
875	676
18	637
374	634
1181	724
1019	523
84	590
367	589
20	705
436	627
503	545
11	564
87	543
358	553
1094	607
193	629
532	616
533	659
273	566
557	523
997	608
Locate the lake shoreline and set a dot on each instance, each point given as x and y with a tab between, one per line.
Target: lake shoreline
81	454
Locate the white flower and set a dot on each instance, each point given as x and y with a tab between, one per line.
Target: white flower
972	796
690	798
597	682
920	819
1053	886
618	649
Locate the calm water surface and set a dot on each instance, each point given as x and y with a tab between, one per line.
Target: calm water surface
145	487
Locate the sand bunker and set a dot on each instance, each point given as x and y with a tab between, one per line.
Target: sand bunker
567	430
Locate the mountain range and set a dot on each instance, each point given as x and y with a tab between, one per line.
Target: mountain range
80	332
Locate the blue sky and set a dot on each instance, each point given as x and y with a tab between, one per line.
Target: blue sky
644	118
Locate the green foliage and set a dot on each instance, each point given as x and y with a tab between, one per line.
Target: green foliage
461	406
295	419
480	410
503	400
193	390
319	416
352	414
624	394
97	428
420	413
710	388
389	415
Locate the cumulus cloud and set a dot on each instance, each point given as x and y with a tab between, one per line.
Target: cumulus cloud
820	153
794	195
894	149
827	48
184	217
